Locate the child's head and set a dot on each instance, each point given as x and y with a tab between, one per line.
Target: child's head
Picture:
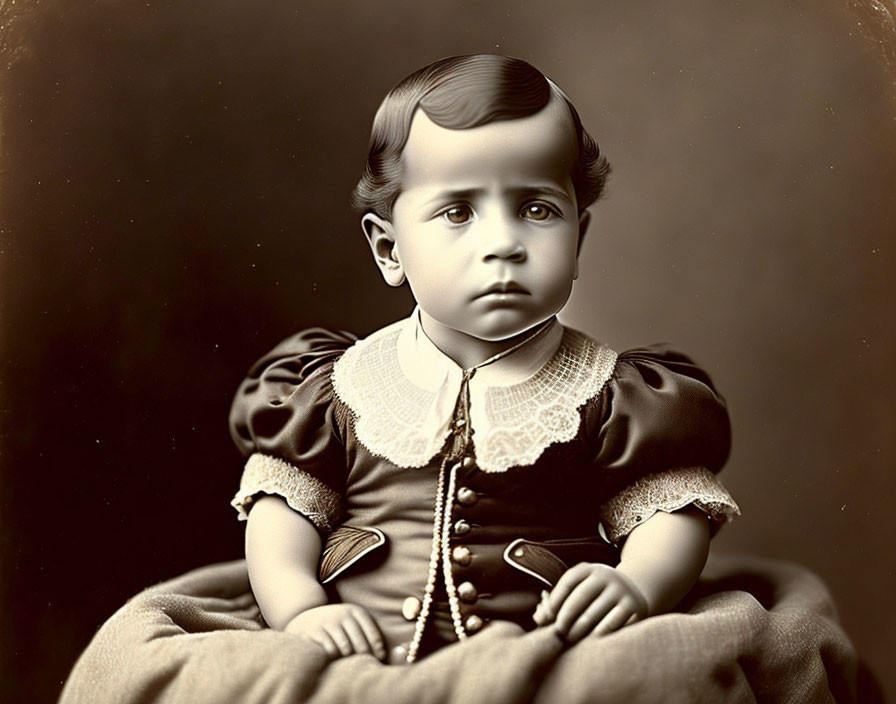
475	192
461	92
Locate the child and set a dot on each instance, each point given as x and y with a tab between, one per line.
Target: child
478	461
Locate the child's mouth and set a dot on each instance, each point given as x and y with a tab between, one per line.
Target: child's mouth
504	288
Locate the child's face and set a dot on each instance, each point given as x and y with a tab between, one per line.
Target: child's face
486	227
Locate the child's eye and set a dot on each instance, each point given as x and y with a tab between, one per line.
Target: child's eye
538	211
458	214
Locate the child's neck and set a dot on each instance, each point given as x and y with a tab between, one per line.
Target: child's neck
468	351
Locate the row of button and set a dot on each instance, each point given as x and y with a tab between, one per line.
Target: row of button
462	555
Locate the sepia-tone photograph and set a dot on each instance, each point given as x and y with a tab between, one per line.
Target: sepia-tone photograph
447	352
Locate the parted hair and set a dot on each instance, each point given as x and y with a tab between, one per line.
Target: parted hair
462	92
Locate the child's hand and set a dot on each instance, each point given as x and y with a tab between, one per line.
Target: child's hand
341	629
591	598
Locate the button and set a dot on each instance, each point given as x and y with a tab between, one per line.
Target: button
519	552
473	623
460	423
410	608
461	527
399	654
469	463
467	592
466	496
461	555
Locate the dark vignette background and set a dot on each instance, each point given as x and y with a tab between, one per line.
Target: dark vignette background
175	179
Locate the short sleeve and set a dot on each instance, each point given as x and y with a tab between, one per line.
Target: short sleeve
660	433
286	421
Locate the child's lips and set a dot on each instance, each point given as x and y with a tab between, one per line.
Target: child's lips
504	288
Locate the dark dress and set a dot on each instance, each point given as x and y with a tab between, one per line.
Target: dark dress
646	432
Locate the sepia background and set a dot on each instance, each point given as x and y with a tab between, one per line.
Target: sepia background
174	181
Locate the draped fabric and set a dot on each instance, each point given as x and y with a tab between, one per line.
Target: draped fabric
752	630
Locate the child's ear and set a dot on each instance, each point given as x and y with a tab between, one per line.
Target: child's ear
380	236
584	221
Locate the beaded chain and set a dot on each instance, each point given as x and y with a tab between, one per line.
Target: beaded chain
453	601
440	553
441	524
433	573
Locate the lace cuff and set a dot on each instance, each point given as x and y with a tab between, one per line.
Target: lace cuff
668	491
312	498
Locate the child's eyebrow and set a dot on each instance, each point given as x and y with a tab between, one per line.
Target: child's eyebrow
463	194
543	188
451	195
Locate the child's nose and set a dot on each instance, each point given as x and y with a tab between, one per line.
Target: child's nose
503	241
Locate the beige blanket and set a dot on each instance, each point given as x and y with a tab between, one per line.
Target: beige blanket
751	630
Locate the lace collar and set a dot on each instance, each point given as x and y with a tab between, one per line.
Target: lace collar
403	390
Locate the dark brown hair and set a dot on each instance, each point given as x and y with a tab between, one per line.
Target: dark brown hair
459	93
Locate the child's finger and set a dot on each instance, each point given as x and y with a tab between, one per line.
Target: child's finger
371	633
539	614
323	639
564	587
615	619
356	636
591	616
340	638
585	593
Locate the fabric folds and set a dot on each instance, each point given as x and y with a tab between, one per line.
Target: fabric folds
752	630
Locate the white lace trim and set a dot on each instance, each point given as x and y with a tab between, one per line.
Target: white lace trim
312	498
512	426
390	412
517	423
668	491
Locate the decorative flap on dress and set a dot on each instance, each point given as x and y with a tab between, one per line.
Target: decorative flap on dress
512	425
344	547
548	560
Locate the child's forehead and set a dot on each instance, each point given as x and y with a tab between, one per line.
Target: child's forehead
542	146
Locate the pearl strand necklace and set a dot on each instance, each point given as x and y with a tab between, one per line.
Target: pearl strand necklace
453	601
433	572
441	524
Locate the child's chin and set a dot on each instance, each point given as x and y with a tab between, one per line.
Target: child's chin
506	327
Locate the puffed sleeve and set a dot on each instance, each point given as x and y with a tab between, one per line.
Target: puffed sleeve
285	420
660	433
